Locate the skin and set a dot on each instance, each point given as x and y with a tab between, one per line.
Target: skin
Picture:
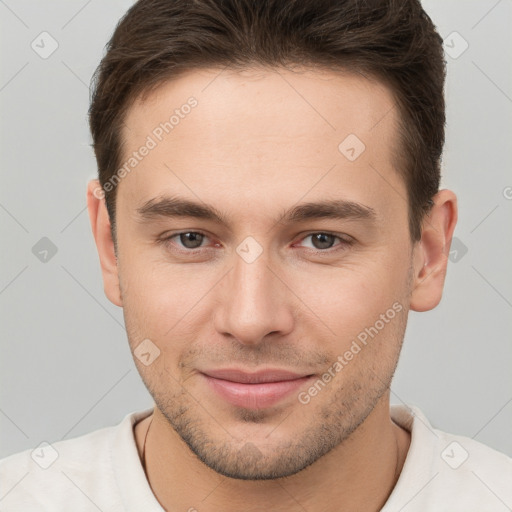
260	142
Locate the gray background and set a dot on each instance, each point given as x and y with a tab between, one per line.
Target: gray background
65	365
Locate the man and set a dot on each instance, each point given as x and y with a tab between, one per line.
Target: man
267	213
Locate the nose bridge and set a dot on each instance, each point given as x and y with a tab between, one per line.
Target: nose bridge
253	302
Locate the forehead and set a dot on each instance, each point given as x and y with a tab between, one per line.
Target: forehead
265	101
260	130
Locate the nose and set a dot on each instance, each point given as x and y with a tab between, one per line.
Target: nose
253	303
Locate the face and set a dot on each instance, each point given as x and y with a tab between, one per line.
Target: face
278	303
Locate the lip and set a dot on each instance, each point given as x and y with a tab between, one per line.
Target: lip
254	390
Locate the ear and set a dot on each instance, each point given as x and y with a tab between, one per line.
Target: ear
430	254
100	224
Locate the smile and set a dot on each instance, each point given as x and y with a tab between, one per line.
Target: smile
256	390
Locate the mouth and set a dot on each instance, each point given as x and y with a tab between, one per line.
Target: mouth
254	390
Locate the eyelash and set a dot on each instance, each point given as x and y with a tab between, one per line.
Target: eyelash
344	242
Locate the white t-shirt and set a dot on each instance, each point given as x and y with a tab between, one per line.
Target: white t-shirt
102	471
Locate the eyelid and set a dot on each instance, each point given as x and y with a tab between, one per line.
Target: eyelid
166	239
344	240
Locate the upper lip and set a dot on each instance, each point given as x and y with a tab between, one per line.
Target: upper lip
257	377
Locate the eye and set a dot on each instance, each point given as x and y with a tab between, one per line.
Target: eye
188	240
321	241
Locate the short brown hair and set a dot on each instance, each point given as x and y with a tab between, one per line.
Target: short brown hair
392	40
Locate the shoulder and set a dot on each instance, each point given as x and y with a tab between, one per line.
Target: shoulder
72	474
445	471
474	468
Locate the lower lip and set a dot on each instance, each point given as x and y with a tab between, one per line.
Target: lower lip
254	396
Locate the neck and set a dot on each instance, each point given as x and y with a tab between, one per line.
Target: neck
359	474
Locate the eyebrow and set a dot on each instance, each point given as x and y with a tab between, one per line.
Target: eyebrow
175	207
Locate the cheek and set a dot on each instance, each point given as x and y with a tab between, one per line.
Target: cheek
164	301
343	301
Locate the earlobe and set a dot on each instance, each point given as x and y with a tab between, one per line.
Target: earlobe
430	258
101	229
